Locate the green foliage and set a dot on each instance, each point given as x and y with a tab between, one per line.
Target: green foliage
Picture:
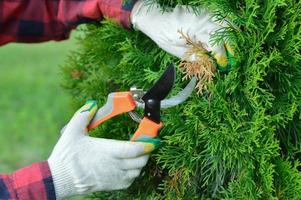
240	142
33	106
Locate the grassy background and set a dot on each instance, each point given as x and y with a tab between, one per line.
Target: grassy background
33	106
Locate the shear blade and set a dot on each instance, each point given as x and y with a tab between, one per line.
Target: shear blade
163	86
178	98
152	98
181	96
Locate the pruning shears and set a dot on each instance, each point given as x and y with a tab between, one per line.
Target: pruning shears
152	101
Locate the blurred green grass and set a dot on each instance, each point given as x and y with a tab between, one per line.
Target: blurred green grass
33	106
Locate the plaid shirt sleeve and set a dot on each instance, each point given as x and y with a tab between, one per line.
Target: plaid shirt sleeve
30	183
42	20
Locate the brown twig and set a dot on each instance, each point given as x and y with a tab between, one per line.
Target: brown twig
203	67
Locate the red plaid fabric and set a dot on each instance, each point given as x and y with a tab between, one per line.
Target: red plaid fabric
42	20
30	183
37	21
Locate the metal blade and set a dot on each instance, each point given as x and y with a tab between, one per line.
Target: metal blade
152	98
177	99
181	96
163	86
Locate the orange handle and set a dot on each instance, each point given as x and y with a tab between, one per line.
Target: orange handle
117	103
147	128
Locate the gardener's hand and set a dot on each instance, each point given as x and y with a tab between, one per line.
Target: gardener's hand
164	28
81	164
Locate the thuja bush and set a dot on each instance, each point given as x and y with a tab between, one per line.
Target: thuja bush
241	138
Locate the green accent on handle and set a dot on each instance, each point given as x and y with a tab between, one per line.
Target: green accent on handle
155	141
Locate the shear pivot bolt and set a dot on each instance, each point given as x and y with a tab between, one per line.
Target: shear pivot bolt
151	103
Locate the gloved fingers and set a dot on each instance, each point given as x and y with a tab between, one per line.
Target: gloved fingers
81	119
219	53
132	174
134	163
177	50
136	7
226	60
63	129
150	143
121	149
123	181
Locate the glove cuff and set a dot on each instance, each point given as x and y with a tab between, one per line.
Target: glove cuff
134	17
62	180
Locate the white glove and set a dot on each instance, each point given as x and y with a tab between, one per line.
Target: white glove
163	28
81	164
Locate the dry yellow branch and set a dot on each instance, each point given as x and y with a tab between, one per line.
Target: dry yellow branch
203	68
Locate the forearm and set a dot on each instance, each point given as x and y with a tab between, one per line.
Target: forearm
33	182
37	21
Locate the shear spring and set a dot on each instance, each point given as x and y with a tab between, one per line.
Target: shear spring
135	116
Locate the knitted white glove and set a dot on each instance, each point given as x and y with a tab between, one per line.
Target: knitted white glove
163	28
81	164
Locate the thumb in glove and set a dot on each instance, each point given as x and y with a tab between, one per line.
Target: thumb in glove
82	164
165	28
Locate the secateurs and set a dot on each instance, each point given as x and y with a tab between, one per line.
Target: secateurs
151	101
